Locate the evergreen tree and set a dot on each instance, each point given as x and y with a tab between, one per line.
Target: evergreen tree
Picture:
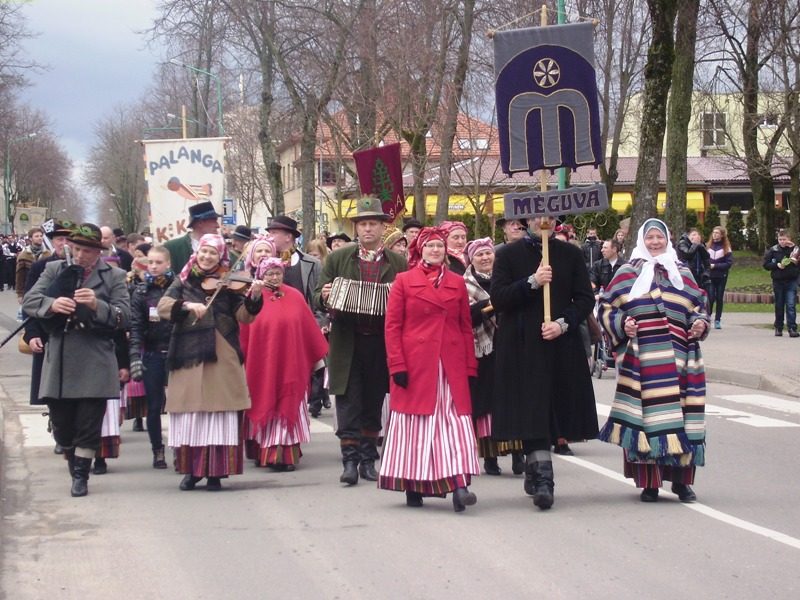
752	232
735	228
711	221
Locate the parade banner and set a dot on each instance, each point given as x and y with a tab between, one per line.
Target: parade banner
27	217
179	174
380	174
546	94
570	201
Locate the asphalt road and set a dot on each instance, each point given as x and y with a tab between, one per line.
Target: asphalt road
304	535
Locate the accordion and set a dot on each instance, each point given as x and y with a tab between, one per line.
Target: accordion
360	297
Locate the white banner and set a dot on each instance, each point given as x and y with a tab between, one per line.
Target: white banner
181	173
26	217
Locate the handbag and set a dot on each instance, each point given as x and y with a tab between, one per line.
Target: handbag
23	346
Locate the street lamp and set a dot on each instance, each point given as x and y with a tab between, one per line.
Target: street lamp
175	61
8	225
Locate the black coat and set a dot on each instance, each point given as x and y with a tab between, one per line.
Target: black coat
146	335
543	389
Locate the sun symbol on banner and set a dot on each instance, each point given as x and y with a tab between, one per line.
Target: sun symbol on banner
546	73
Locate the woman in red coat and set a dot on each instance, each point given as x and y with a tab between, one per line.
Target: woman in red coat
430	447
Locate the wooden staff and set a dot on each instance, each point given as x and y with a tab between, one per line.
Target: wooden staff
545	224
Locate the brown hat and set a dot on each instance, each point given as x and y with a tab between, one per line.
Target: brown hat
285	223
87	234
369	207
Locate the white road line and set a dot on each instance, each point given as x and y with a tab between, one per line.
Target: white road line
717	515
737	416
763	401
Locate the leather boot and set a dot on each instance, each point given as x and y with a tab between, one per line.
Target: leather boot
350	458
491	467
100	466
539	472
69	456
517	463
80	476
159	461
368	450
462	498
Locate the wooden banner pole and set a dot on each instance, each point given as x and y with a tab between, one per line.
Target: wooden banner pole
544	226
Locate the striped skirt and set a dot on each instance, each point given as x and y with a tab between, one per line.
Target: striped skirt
109	432
489	448
136	406
430	454
207	444
277	442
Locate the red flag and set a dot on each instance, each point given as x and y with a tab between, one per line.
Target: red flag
380	174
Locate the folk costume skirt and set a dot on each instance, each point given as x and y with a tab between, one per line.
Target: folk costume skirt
430	454
109	432
207	444
277	442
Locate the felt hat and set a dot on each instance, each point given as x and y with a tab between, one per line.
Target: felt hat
369	207
284	223
87	234
338	236
202	211
58	229
412	223
243	233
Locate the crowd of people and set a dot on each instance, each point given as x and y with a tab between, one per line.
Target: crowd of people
440	350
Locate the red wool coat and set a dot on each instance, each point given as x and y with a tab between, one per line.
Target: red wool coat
426	325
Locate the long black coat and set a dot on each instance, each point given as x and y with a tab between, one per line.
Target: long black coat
543	389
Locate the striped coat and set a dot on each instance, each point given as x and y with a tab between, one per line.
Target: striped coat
658	411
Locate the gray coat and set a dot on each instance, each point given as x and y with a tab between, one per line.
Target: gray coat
81	363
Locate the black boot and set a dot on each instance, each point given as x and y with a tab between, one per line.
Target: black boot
413	498
137	424
69	456
100	466
491	467
368	450
80	476
462	498
350	458
517	463
159	462
539	478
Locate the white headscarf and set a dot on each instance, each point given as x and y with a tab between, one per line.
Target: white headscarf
668	260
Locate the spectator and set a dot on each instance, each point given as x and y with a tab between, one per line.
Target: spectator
591	247
781	261
721	259
692	251
603	270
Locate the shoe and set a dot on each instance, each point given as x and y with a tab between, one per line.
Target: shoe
539	479
462	498
189	482
315	408
563	450
684	492
649	495
326	401
491	467
793	333
137	424
80	477
100	466
717	325
350	473
289	468
58	449
367	471
213	484
413	498
158	459
517	463
778	332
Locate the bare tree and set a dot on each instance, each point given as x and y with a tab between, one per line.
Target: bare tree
246	174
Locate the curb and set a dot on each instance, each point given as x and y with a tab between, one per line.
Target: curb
756	382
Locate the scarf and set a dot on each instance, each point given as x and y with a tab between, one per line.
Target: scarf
483	334
159	281
36	250
210	239
370	255
249	256
434	273
668	260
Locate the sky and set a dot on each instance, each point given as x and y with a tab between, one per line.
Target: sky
95	60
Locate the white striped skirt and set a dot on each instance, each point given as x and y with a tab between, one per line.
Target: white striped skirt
110	426
278	432
430	447
203	429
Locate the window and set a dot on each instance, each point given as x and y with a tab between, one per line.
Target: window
327	172
464	144
481	143
713	130
769	120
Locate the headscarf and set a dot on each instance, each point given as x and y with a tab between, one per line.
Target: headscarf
259	240
476	246
668	260
267	263
449	227
426	235
210	239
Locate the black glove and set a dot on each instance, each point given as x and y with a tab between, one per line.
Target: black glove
137	370
401	379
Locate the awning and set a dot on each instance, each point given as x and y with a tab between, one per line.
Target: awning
694	201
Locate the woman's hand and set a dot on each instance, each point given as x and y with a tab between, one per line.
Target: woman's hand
197	309
697	329
255	289
630	327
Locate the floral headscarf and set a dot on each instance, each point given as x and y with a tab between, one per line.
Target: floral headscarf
259	240
476	246
210	239
267	263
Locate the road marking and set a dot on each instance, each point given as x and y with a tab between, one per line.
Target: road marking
317	426
34	431
763	401
737	416
703	509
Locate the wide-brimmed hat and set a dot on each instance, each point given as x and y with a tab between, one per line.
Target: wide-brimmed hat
338	236
243	233
87	234
285	223
502	221
412	223
59	229
369	207
202	211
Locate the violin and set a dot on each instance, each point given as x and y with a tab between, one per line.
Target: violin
236	281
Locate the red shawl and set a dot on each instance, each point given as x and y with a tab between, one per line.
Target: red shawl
281	348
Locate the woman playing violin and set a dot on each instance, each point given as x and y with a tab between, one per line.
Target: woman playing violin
207	391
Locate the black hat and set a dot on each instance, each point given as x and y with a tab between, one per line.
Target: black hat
87	234
412	223
202	211
502	221
118	232
243	233
339	236
56	229
285	223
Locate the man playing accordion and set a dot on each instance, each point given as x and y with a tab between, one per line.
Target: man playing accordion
359	375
